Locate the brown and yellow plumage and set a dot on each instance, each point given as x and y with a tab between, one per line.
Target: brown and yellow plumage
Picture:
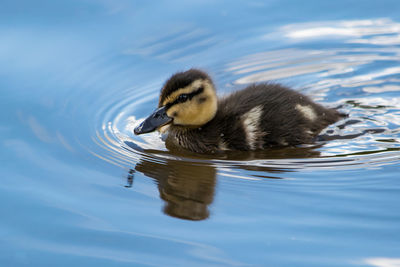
258	117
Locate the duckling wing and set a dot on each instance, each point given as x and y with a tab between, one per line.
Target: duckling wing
268	115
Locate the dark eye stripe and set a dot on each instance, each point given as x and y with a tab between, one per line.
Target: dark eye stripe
184	99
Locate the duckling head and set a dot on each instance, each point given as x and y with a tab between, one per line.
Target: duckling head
188	99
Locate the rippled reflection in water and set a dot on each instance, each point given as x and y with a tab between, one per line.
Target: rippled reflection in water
79	188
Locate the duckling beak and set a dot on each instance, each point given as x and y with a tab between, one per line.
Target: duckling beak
155	120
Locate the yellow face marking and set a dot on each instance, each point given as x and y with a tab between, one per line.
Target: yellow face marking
196	111
164	128
185	90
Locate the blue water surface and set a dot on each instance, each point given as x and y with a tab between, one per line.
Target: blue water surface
78	188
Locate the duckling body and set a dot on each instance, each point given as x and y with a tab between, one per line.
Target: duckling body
258	117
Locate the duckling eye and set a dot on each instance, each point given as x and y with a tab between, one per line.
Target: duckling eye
183	97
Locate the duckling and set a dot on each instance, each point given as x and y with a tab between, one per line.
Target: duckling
260	116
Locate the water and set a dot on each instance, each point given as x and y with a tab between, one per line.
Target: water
78	188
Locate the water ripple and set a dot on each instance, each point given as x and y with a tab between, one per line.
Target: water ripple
351	78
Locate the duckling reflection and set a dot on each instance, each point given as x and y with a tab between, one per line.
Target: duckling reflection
187	188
